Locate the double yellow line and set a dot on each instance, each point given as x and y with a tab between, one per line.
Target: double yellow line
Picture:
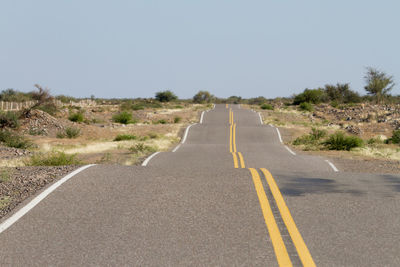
280	249
273	229
232	143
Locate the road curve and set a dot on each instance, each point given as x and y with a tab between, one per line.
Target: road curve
232	194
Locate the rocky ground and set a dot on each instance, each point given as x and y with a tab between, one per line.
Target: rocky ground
365	120
20	183
11	152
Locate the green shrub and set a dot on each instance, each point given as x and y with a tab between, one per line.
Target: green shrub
76	117
5	174
153	135
373	141
339	141
33	131
306	106
178	107
341	93
53	159
177	119
152	105
141	148
317	134
9	119
395	137
334	104
312	141
304	140
267	106
123	137
72	132
11	139
61	135
143	138
126	105
4	201
137	106
66	99
95	120
48	107
166	96
312	138
162	121
314	96
123	117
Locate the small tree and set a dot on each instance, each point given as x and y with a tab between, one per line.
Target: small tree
257	100
234	99
314	96
341	93
166	96
379	84
44	100
203	97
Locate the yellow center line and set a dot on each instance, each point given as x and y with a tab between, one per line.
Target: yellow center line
298	241
235	160
234	137
226	105
230	138
281	253
241	160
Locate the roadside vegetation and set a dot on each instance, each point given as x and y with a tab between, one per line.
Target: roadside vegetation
124	137
116	128
319	140
12	139
121	131
76	117
123	117
55	158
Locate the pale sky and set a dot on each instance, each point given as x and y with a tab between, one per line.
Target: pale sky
249	48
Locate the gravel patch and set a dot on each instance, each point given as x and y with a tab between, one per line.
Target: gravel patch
11	153
19	183
367	165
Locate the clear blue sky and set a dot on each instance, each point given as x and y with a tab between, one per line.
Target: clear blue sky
128	48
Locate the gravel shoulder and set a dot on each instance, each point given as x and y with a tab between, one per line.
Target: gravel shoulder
19	183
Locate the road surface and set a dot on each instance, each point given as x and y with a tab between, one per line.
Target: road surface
232	195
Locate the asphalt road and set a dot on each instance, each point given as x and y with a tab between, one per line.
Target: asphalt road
231	195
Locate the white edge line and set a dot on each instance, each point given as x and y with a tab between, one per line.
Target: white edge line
176	148
16	216
184	138
332	166
279	135
290	151
201	117
259	114
186	132
146	161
